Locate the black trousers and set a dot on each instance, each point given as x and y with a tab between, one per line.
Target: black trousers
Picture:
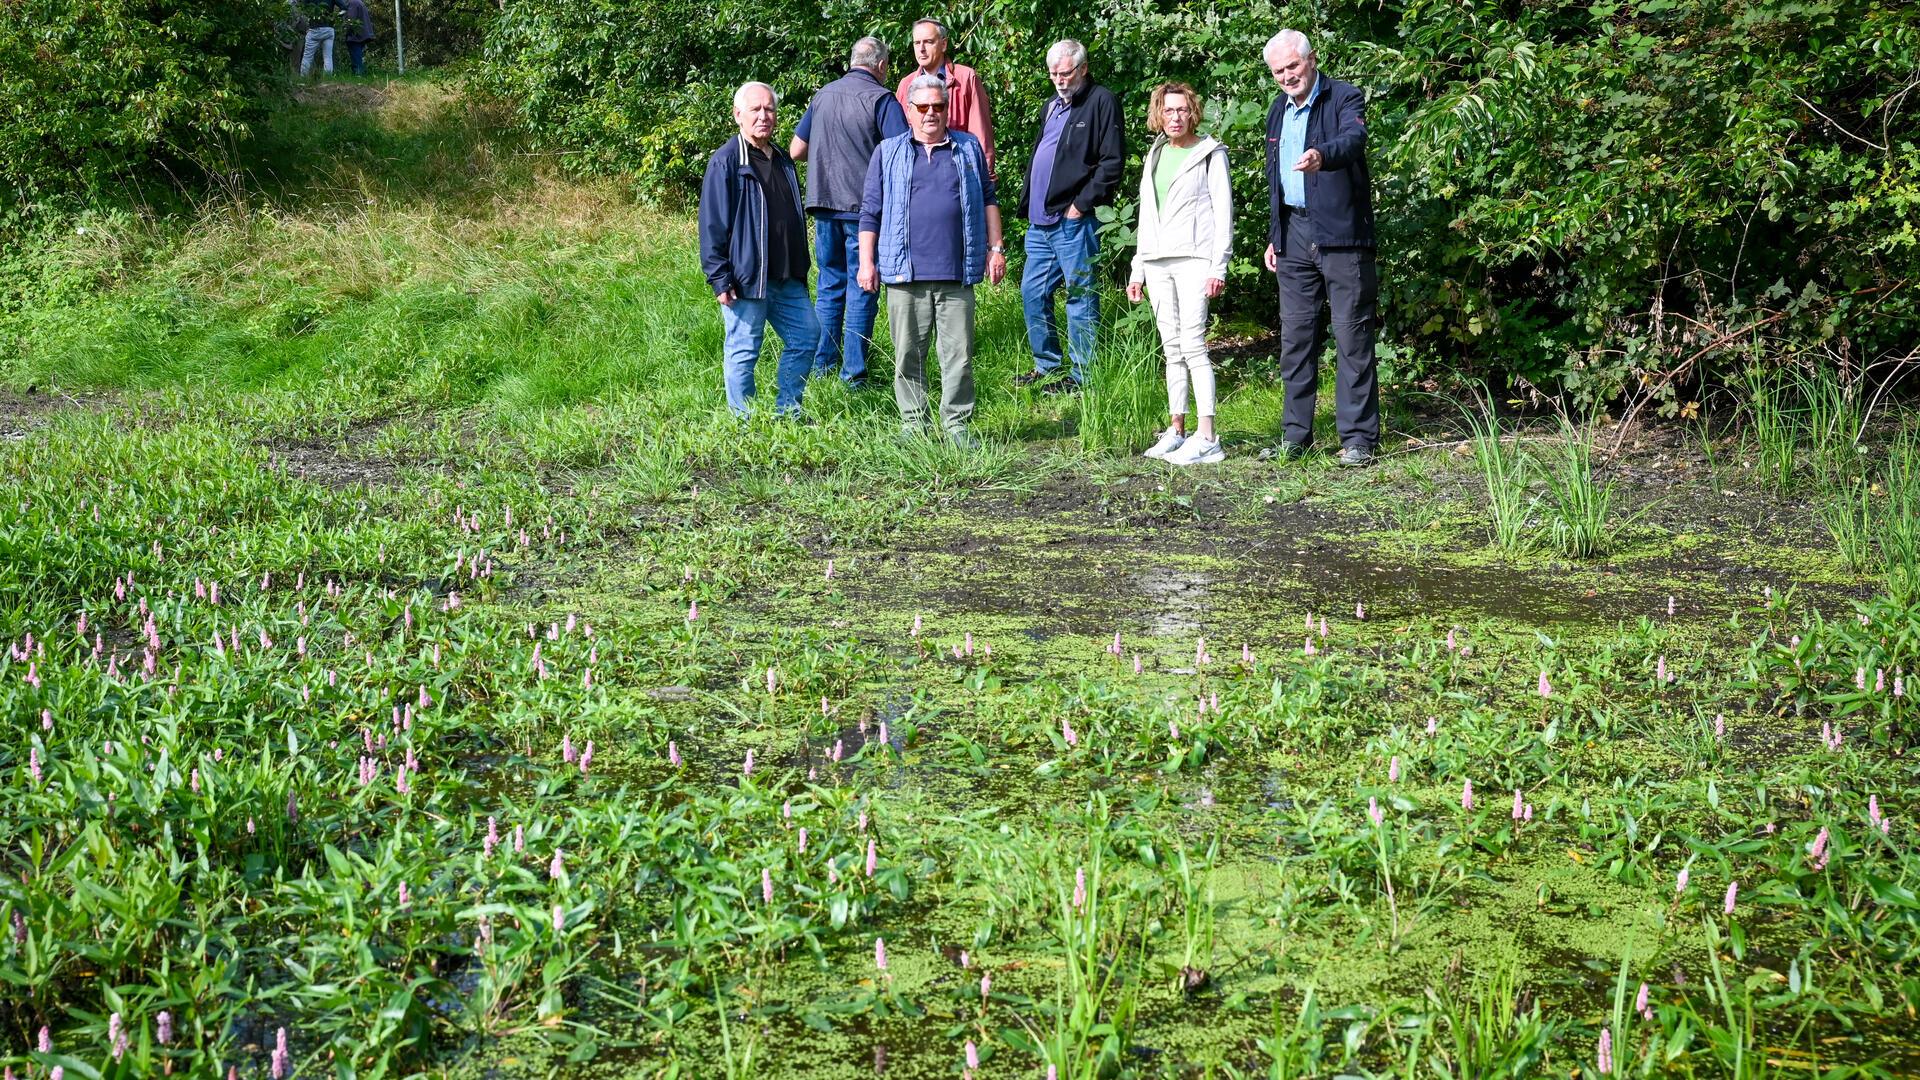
1322	287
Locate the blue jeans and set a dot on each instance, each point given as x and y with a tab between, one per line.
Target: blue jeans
844	309
1061	253
744	322
358	51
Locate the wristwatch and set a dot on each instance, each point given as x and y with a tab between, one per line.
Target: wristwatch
996	249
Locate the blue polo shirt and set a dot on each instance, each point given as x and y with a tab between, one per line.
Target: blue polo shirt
1059	113
1293	143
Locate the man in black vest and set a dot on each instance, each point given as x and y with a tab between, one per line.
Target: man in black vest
845	121
1320	244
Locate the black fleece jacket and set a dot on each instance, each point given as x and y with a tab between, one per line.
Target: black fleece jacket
1086	170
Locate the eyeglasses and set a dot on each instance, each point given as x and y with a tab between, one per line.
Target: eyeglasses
931	106
1176	112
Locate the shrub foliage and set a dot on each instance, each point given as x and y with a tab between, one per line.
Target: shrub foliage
97	94
1616	195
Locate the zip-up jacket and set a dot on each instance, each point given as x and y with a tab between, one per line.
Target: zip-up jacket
1197	220
1086	167
733	219
1340	194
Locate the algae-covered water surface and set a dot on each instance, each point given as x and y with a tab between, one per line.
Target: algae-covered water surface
363	750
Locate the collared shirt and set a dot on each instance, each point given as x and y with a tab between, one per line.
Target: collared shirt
1059	114
1293	143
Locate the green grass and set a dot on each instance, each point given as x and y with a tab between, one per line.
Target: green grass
444	429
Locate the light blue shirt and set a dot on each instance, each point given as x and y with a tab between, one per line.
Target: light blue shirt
1293	143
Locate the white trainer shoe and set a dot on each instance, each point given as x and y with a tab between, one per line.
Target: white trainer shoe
1197	451
1170	440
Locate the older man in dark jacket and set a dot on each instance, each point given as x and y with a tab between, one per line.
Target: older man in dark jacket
1075	170
753	250
359	33
1321	246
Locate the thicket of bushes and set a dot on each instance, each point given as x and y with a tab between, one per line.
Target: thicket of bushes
1614	195
99	94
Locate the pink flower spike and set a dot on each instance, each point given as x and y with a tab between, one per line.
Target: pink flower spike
1733	891
1519	805
1067	733
693	612
1604	1056
1374	813
1393	770
673	754
766	885
973	1055
559	918
1545	688
1433	725
1466	796
1680	881
873	857
803	839
1136	663
1640	1003
1079	888
558	866
880	953
746	767
986	984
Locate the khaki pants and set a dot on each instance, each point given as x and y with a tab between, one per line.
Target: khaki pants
924	311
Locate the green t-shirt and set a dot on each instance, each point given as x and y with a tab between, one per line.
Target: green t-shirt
1171	158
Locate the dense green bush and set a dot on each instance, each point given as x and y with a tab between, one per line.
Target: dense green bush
1614	196
96	95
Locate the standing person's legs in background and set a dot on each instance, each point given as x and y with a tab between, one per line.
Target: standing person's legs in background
953	331
1302	333
358	51
1060	254
845	311
1183	336
790	310
326	48
312	47
1038	281
1353	286
910	316
743	327
1080	243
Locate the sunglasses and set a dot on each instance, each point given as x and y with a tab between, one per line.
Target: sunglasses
931	106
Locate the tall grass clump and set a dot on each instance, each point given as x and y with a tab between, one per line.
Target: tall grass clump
1580	506
1504	469
1121	407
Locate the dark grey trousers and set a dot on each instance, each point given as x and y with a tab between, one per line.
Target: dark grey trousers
1322	286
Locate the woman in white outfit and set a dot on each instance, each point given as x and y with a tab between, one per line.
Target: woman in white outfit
1186	236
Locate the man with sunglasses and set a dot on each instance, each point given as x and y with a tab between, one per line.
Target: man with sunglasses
930	230
1075	169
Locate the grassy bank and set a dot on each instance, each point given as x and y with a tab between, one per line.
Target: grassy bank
408	655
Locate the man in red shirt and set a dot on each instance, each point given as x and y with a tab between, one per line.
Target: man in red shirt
966	98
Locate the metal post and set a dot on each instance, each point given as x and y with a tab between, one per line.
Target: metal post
399	38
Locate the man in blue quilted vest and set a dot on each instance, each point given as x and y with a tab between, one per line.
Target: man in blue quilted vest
930	230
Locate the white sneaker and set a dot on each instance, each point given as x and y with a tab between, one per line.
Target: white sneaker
1197	451
1170	440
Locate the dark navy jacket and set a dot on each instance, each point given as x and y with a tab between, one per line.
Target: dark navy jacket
1340	194
733	219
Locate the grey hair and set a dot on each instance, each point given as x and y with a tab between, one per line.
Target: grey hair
1287	39
1068	49
939	28
868	52
927	82
740	95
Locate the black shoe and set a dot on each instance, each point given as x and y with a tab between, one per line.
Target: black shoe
1068	385
1034	378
